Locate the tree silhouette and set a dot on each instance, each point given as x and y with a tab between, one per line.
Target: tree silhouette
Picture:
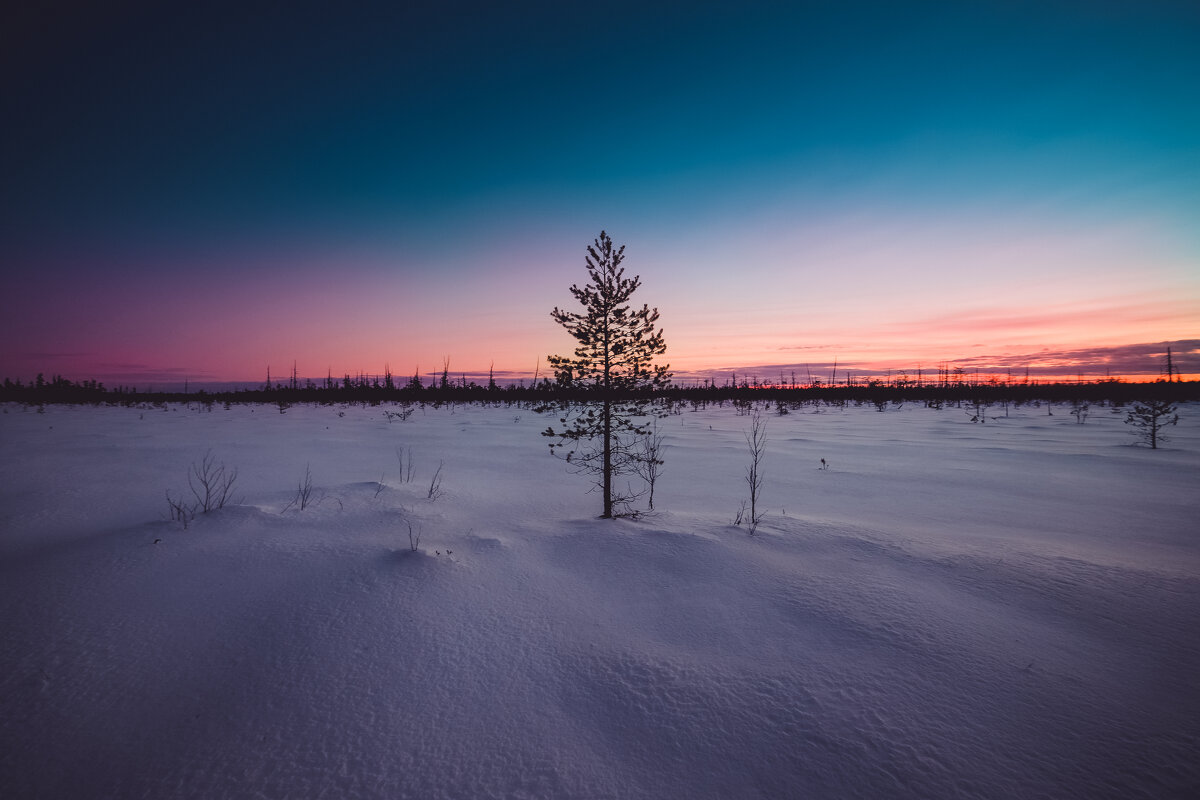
1149	418
613	372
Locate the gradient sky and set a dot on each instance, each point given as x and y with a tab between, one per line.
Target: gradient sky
202	193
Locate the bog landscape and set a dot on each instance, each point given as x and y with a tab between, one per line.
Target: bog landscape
890	590
621	401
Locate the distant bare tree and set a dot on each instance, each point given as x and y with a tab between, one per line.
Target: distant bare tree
435	483
650	462
1172	370
756	441
1079	410
977	409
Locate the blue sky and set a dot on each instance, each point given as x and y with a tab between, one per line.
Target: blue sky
205	192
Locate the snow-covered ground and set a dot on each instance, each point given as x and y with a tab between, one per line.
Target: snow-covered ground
1002	610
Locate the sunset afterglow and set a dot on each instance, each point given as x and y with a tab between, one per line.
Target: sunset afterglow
993	187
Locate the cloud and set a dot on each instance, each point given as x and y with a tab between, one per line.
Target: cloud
1145	359
1142	360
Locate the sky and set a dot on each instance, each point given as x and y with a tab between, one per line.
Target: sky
206	193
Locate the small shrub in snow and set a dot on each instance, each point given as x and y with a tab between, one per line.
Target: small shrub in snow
435	483
414	536
304	492
741	512
405	457
977	410
211	483
181	511
306	496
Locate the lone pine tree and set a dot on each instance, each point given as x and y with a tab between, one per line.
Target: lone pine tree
612	371
1150	418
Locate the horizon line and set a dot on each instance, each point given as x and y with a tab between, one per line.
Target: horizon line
1132	362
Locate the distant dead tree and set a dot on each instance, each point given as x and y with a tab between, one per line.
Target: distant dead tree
756	442
650	462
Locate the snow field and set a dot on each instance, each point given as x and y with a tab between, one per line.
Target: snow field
951	610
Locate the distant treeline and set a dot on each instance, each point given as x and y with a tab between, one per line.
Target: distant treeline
62	390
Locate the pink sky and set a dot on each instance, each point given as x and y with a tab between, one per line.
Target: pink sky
874	294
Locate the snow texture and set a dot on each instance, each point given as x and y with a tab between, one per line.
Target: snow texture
997	610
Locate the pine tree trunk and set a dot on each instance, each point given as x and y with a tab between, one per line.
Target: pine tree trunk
607	420
607	459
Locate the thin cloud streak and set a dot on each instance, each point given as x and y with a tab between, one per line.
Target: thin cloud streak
1146	360
1019	323
1136	361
